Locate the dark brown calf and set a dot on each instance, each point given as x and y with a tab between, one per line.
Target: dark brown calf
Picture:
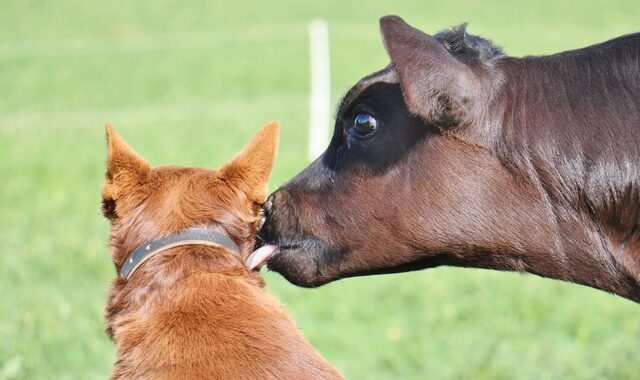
195	311
457	154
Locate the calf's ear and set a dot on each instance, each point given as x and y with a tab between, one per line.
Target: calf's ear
125	179
436	86
251	168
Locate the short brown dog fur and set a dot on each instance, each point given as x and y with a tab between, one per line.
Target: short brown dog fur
197	311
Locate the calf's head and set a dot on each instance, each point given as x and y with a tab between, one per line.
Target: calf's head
406	182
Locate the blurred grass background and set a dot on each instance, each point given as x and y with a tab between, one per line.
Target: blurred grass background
189	83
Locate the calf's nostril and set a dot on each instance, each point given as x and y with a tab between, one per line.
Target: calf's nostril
268	205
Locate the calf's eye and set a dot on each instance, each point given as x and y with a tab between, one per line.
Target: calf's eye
364	124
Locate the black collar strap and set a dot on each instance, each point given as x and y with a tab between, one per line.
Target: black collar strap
190	236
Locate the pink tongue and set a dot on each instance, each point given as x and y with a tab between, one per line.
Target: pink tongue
260	256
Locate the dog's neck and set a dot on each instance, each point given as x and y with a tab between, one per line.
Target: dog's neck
165	270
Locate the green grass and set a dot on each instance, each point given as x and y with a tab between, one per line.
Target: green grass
189	83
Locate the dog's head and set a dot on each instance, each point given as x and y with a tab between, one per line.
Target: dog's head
145	203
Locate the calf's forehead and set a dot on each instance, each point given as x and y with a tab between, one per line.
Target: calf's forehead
386	75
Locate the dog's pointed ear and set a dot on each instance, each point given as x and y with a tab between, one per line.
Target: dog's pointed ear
122	160
251	168
125	177
436	86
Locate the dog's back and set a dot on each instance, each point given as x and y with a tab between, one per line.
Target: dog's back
211	321
194	310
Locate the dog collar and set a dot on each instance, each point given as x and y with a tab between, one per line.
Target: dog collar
189	236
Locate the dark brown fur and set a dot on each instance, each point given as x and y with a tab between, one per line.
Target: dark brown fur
197	311
479	160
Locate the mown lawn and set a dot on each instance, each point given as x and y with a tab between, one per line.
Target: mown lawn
189	83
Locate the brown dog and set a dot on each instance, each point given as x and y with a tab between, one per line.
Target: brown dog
193	309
